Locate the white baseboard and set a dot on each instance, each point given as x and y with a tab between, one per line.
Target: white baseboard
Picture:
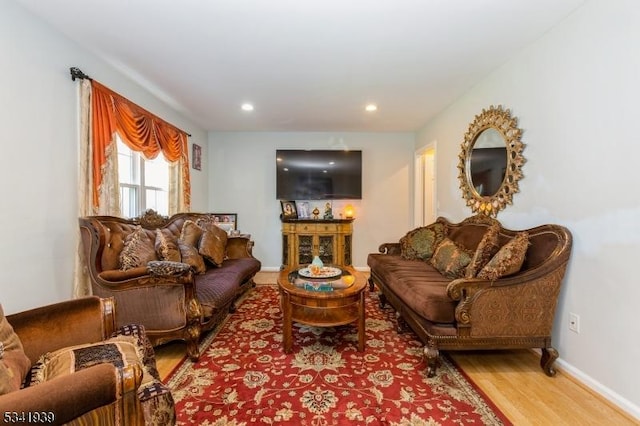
611	396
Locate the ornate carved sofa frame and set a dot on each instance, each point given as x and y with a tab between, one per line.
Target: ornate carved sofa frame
515	311
171	307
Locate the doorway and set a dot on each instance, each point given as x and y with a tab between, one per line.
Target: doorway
425	208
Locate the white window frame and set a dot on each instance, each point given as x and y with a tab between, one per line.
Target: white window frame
138	187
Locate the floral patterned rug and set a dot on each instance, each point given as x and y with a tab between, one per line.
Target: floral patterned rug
243	377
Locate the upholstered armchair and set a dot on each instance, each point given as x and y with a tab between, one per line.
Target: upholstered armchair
86	390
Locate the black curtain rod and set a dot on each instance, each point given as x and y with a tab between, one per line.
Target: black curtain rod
77	73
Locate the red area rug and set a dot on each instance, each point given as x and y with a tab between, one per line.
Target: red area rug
243	377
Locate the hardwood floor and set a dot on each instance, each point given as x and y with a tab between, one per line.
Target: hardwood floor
513	380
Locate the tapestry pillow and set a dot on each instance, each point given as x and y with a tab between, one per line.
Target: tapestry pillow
191	257
138	250
14	364
167	246
213	244
121	351
450	259
421	243
191	233
508	260
487	248
166	268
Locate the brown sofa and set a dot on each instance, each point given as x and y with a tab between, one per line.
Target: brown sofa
176	303
473	310
98	392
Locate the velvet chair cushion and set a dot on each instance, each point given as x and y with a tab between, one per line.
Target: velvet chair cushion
213	243
421	243
138	250
14	364
120	351
508	260
487	248
450	259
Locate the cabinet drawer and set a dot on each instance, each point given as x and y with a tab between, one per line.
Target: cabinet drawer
307	227
327	227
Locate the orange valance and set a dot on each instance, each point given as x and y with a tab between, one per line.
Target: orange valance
138	128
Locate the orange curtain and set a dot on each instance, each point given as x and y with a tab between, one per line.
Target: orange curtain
138	129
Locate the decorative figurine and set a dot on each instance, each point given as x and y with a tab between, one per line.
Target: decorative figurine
316	213
328	212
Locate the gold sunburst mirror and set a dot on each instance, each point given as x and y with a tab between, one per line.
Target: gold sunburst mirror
490	161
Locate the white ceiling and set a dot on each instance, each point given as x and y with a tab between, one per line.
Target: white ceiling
307	65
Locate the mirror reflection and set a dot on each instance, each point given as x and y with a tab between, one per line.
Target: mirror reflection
488	162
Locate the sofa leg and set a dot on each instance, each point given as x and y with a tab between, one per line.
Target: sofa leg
371	284
432	355
549	355
382	300
192	339
402	326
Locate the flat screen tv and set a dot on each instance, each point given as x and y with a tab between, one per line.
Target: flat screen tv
318	175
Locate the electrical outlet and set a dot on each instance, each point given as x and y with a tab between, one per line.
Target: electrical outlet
574	322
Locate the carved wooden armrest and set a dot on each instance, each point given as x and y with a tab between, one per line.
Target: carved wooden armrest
389	248
239	246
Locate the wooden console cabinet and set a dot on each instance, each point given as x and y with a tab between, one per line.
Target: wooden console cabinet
304	238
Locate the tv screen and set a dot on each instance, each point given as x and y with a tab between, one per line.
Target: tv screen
318	175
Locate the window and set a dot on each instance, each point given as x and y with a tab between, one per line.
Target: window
144	184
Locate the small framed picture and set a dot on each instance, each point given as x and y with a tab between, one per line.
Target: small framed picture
289	209
197	157
304	212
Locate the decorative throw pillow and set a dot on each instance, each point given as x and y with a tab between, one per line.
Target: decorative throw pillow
191	257
487	248
120	351
450	259
166	268
167	246
191	233
508	260
138	250
14	364
213	244
421	243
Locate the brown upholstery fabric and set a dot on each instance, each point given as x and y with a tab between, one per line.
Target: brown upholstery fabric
191	233
421	243
167	246
218	286
508	260
213	244
138	250
418	284
14	363
450	259
120	351
487	248
191	257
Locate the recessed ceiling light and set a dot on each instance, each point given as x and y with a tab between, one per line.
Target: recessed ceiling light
371	107
247	107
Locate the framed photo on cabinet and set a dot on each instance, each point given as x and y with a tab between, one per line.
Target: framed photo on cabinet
289	209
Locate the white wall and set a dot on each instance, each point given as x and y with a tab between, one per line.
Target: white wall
243	180
38	165
575	92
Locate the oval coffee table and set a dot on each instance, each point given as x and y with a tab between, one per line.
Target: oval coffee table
325	302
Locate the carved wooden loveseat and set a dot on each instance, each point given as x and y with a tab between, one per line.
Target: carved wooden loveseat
475	311
177	299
